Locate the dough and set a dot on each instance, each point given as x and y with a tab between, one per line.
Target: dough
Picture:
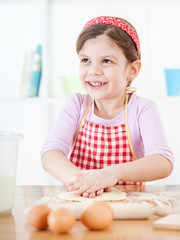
106	196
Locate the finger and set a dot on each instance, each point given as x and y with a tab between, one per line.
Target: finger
92	195
74	186
69	183
85	194
68	187
77	194
65	185
108	189
76	180
84	187
99	192
94	188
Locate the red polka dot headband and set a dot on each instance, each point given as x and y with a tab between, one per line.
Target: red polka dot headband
119	23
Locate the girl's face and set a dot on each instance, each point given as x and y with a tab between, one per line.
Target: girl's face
103	68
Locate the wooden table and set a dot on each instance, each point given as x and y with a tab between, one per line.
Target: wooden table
15	226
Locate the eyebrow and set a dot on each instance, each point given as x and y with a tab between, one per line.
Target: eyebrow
83	55
103	57
109	56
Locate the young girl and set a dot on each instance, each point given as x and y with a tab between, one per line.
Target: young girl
110	135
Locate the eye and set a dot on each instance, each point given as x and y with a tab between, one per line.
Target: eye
85	60
107	61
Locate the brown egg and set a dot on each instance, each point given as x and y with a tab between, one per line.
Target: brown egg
106	205
61	220
98	216
37	216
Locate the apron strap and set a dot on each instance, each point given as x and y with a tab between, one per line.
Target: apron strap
83	120
127	128
129	90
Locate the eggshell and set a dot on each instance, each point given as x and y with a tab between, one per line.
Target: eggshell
98	216
106	205
61	220
37	216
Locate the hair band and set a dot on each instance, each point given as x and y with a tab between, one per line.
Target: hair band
119	23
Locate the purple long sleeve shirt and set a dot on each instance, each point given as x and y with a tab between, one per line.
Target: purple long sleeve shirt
146	130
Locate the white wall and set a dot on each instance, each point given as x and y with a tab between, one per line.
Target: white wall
56	24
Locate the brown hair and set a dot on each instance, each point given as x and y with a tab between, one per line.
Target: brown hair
120	37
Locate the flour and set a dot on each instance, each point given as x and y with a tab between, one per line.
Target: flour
159	198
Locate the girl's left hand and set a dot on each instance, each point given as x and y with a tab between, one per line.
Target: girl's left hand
91	181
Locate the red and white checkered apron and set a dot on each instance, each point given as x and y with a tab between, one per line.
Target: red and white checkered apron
98	146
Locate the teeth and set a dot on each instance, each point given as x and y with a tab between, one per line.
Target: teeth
96	84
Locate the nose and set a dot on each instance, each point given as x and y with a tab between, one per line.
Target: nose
95	70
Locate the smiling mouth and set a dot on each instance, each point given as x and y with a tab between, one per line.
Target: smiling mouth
96	84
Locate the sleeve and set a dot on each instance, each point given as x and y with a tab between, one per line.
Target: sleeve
153	133
62	134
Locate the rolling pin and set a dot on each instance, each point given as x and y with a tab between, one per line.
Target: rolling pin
121	210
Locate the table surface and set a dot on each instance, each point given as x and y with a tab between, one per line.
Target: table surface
14	226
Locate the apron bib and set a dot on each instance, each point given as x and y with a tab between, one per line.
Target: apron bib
97	146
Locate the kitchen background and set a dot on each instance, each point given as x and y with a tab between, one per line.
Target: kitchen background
55	25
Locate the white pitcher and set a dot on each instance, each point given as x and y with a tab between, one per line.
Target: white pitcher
9	142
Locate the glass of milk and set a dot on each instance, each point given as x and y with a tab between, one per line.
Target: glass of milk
8	161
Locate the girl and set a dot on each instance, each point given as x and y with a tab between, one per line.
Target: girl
112	135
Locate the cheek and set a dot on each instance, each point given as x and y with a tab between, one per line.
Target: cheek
82	78
82	74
